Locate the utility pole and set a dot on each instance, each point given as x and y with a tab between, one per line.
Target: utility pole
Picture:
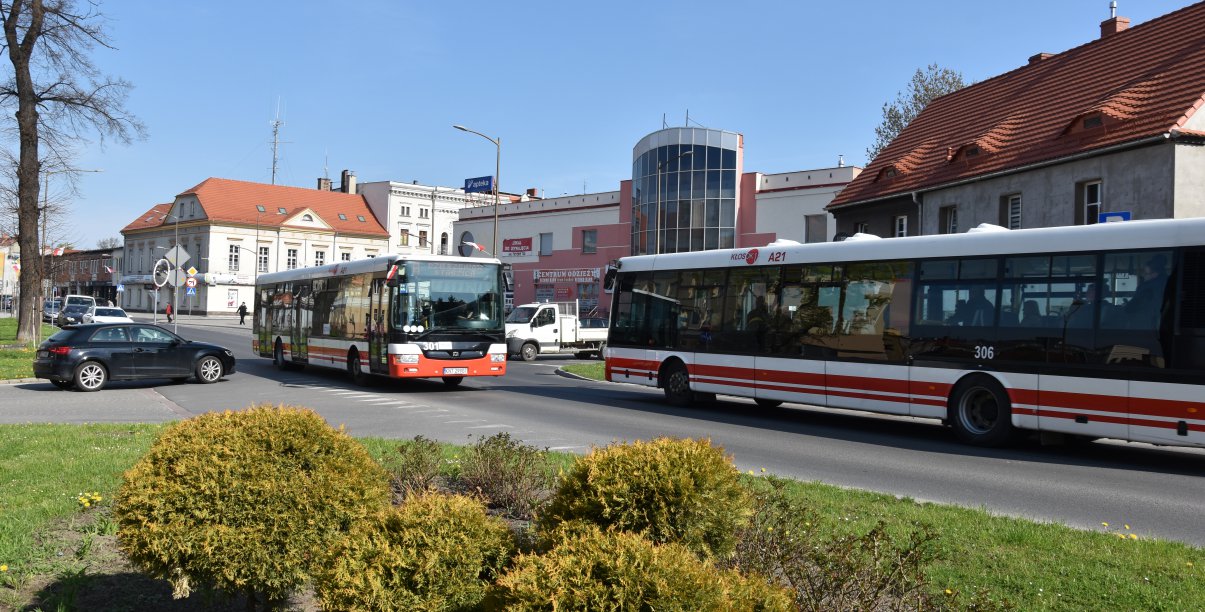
276	123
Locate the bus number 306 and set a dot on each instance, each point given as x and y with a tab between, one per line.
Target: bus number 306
985	352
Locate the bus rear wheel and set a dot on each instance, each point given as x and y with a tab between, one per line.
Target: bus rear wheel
981	412
453	381
676	382
355	370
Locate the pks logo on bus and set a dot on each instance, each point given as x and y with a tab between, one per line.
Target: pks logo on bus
749	256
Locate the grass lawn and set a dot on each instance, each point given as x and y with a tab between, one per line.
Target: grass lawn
44	469
17	363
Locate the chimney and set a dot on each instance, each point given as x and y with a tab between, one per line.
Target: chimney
349	182
1033	59
324	184
531	192
1114	25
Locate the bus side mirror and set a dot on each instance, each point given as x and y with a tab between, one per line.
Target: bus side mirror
609	280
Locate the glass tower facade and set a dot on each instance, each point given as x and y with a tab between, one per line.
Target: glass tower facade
684	191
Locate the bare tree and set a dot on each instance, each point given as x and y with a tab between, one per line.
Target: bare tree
111	242
925	85
59	97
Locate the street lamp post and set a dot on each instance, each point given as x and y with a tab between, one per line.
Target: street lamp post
660	213
497	178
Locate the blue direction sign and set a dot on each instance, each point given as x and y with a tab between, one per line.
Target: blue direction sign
1117	215
481	184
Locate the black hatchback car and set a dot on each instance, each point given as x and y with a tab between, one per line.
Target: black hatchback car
88	356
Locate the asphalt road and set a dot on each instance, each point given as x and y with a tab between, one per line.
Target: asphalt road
1158	491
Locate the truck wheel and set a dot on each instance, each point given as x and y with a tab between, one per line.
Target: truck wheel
529	352
602	349
582	354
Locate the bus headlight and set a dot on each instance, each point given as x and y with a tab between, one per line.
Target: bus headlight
405	358
497	357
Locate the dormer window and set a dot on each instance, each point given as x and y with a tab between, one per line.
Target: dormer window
282	210
342	217
972	151
1093	121
361	218
260	208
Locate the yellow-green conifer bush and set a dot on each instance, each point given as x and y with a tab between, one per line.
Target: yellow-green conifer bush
596	570
245	502
670	490
434	552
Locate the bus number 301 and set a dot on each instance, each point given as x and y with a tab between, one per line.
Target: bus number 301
985	352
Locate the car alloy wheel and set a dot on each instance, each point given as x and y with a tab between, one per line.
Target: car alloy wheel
90	376
209	369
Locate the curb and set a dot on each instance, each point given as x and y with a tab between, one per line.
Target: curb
17	381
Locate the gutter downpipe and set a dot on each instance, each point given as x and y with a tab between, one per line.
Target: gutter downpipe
920	213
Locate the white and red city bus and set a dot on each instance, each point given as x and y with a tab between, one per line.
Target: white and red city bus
1092	331
401	316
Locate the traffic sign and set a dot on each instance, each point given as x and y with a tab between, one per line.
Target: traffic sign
176	277
192	271
177	256
190	290
190	282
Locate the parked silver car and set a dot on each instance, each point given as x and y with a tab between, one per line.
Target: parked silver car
50	310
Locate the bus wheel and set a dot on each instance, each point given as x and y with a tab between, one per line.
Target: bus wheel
453	381
355	370
676	382
981	412
768	403
529	352
278	356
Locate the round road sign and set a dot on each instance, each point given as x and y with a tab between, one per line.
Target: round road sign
190	282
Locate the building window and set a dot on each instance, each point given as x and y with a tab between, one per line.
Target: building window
346	256
307	217
1089	196
424	213
232	258
443	244
291	259
1010	211
901	226
262	263
422	239
861	228
947	218
405	211
589	241
546	244
405	237
815	228
319	258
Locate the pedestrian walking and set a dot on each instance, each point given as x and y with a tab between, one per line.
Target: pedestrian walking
242	313
168	309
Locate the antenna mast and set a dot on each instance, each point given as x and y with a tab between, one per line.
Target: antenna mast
276	125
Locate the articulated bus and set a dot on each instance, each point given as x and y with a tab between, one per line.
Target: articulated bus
1079	332
400	316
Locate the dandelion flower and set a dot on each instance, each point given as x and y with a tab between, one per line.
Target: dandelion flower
1104	523
1127	526
1133	536
763	470
1189	564
4	568
949	592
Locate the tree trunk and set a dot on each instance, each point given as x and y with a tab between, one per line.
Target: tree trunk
28	169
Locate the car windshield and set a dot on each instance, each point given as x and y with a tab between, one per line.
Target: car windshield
51	305
110	312
74	308
522	314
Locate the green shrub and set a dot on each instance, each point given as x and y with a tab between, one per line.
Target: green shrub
683	491
417	465
434	552
511	475
245	501
596	570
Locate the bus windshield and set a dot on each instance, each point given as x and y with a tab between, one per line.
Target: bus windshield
442	296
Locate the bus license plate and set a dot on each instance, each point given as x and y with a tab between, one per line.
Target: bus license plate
449	371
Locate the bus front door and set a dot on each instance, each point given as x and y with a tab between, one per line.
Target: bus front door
378	329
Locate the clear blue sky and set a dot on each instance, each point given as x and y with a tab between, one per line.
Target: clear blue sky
375	86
